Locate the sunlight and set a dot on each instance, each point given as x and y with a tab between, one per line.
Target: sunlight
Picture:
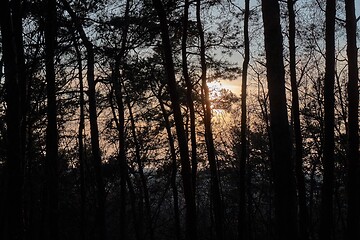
214	88
232	85
219	98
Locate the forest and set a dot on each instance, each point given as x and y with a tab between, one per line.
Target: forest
179	120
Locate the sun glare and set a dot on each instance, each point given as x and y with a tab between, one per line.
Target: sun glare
216	94
232	85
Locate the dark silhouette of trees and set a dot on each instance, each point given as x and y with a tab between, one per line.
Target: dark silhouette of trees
300	179
243	224
51	165
191	231
353	219
81	129
174	167
215	193
189	93
12	216
327	197
284	184
125	120
94	130
117	85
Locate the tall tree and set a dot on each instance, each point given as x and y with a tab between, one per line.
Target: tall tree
94	129
191	232
326	215
300	180
143	179
17	17
81	141
353	220
13	225
243	230
215	193
51	164
174	169
284	182
174	166
122	147
119	62
189	92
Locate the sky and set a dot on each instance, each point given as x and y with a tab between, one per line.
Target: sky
235	85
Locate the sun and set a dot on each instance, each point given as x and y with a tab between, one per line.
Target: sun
214	89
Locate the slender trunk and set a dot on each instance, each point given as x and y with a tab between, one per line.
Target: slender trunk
326	217
30	156
284	182
174	170
265	115
122	149
18	35
353	220
191	228
123	163
94	129
137	227
81	144
189	92
300	179
312	194
121	123
51	164
242	227
30	204
215	181
94	132
141	172
12	225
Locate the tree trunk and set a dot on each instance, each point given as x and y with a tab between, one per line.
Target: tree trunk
94	133
189	91
191	232
17	10
353	220
94	129
122	149
174	169
215	181
121	123
243	230
51	164
81	144
124	175
300	180
284	182
326	217
143	180
13	225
